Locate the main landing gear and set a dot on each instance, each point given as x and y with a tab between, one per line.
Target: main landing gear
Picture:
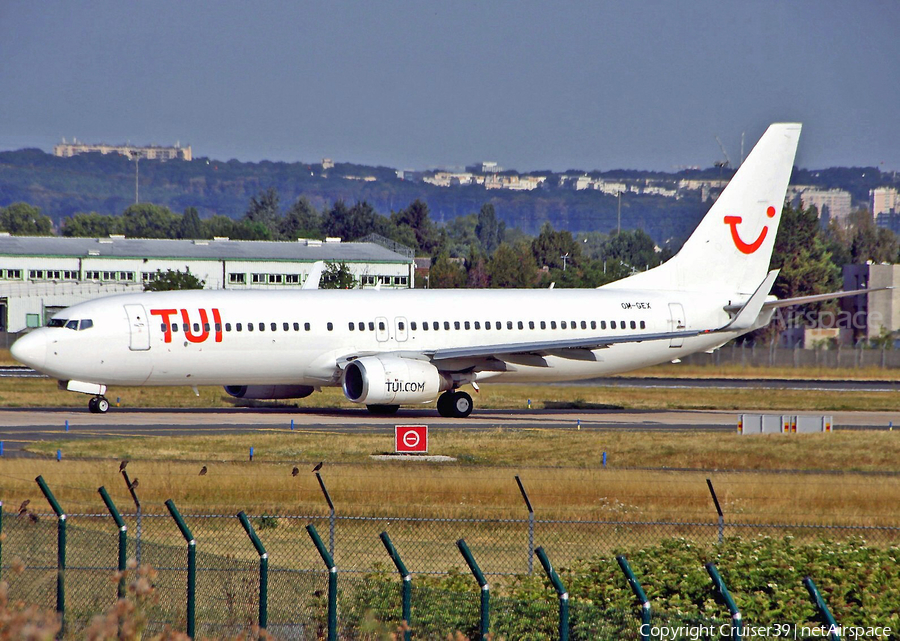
454	404
98	405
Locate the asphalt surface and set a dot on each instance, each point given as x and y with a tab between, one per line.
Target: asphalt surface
19	427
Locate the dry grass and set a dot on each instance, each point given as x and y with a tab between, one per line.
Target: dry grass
44	393
569	484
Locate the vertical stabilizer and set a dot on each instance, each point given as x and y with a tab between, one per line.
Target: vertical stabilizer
731	248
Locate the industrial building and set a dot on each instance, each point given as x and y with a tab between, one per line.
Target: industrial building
41	275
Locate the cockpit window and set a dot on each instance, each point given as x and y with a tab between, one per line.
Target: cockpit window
72	324
86	323
57	322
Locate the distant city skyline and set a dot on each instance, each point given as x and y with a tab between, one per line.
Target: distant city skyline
533	86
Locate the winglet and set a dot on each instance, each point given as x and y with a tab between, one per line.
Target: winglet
748	314
315	275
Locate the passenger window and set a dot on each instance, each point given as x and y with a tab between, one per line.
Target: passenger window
508	324
446	324
543	324
401	326
330	326
239	327
487	324
227	327
466	325
205	327
381	326
435	326
273	326
552	324
612	324
249	327
622	324
530	324
185	327
413	326
218	327
86	323
286	327
197	328
583	325
593	324
425	325
296	327
562	324
306	326
477	324
643	325
633	325
371	326
163	328
262	327
352	326
602	324
455	324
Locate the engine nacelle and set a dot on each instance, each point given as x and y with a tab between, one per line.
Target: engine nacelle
391	380
269	392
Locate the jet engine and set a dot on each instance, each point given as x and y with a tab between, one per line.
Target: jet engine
391	380
269	392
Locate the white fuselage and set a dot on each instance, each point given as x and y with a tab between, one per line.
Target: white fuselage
300	338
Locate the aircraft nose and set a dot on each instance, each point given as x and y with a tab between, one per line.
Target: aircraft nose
31	349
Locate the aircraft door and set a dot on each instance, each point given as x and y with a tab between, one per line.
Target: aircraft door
381	329
139	327
676	323
400	328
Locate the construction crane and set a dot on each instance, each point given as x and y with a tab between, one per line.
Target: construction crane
722	164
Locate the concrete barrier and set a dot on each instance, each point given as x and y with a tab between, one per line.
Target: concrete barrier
784	424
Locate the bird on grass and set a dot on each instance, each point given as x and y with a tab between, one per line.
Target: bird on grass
202	471
122	465
24	507
295	471
318	466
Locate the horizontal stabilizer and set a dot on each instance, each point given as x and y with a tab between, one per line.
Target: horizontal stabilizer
802	300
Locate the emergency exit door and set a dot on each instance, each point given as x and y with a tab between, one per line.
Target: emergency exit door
676	323
139	327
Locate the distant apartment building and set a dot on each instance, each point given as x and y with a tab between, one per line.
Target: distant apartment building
833	204
151	152
884	200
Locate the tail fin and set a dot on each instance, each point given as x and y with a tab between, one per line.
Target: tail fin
731	248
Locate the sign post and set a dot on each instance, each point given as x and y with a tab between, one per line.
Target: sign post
411	439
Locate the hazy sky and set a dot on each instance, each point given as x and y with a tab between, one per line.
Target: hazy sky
531	85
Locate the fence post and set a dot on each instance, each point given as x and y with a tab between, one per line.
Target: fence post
406	588
484	624
718	509
263	569
560	591
332	580
123	534
822	607
192	564
639	594
530	525
137	506
60	549
330	515
726	596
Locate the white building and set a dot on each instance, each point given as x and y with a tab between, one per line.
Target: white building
41	275
835	203
884	200
150	152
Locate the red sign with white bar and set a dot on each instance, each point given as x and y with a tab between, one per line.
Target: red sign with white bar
410	438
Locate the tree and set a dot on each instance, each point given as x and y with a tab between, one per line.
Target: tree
172	279
354	222
150	221
488	229
446	273
550	246
264	209
301	221
417	218
21	219
633	247
190	225
221	226
337	276
92	225
512	266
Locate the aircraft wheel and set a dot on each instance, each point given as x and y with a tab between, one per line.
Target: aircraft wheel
462	405
92	405
383	410
102	405
445	404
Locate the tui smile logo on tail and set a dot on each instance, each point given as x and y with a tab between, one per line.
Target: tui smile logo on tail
748	248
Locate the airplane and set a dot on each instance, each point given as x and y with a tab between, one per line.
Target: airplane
391	348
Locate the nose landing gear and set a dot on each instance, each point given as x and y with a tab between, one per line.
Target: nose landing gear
98	405
454	404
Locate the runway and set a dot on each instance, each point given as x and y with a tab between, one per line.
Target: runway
19	427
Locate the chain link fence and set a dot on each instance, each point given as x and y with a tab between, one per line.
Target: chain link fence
227	590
